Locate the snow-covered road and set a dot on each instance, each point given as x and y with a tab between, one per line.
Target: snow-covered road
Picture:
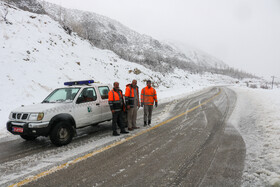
15	158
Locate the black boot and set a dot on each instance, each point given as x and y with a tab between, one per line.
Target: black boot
149	122
115	133
124	131
145	123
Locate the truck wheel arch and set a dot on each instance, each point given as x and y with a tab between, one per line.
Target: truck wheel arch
62	117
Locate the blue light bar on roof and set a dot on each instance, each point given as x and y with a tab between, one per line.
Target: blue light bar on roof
78	82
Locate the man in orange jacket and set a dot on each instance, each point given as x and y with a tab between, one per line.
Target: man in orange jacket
132	104
116	104
148	99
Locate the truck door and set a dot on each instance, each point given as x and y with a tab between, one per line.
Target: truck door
105	108
87	108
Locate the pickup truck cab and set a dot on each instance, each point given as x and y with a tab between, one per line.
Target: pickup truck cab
79	104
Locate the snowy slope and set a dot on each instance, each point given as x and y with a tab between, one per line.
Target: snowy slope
37	56
110	34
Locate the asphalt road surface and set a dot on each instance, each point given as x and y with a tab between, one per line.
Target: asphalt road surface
195	147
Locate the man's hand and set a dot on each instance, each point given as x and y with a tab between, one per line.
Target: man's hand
156	104
113	111
128	106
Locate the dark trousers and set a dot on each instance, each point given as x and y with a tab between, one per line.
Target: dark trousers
117	119
125	122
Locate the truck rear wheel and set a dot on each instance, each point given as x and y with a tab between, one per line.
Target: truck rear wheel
62	134
28	138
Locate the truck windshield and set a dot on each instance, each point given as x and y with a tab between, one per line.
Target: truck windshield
62	95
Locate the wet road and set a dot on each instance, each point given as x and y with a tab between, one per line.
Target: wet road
197	148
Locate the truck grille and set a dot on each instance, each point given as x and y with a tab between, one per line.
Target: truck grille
24	116
18	116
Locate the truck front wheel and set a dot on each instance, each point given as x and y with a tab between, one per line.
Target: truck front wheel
62	134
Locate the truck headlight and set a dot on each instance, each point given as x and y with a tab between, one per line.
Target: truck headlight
40	116
36	116
11	115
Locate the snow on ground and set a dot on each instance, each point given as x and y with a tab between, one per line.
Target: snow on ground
257	118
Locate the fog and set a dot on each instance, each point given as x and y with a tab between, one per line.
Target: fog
244	34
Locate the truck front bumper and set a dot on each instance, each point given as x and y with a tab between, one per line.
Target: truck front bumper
30	129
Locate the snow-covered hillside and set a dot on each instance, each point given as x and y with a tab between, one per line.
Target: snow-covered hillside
37	56
110	34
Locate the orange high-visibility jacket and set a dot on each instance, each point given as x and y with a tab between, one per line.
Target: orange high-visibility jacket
115	100
129	95
148	96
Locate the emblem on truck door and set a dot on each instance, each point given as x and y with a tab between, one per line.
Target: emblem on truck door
89	109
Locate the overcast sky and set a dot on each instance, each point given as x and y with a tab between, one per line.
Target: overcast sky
243	33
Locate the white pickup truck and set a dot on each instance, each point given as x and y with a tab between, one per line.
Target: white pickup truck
79	104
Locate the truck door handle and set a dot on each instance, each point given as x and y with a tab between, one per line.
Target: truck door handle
97	104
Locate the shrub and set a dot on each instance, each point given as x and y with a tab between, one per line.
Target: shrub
137	71
264	86
253	86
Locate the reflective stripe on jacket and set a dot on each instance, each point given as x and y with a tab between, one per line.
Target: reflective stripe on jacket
148	96
115	100
129	95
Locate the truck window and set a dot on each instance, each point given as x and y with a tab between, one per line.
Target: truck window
103	90
62	95
87	95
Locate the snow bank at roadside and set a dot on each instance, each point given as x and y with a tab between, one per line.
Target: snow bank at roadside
257	118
